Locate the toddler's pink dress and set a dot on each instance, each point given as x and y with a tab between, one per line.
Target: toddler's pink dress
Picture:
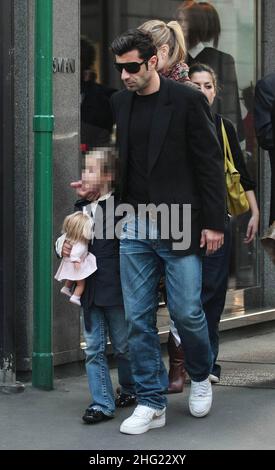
67	269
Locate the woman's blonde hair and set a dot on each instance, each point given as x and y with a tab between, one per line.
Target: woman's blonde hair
78	227
170	34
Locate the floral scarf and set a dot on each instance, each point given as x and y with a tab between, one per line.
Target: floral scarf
178	72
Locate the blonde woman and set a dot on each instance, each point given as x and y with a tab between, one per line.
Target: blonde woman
171	50
215	267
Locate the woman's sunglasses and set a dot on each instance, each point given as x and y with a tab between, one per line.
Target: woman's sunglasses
130	67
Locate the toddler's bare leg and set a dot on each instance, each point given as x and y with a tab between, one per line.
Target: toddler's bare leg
79	289
69	284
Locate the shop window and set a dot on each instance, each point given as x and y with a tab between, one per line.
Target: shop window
102	20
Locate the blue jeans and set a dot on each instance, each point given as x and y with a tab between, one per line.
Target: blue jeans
106	320
141	264
215	269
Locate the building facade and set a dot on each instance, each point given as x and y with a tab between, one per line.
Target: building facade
246	34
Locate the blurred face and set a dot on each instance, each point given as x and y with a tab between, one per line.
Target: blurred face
205	82
93	176
140	80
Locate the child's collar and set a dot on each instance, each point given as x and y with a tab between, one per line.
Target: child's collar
104	197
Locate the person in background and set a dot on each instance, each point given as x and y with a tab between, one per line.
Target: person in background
202	28
263	114
215	267
171	49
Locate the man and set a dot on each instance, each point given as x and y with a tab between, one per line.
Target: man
264	101
169	154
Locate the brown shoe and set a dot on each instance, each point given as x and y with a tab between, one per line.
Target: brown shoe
268	242
177	373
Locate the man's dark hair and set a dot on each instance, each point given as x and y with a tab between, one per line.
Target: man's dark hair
135	39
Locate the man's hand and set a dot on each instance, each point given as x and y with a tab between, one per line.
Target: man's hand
66	249
212	240
83	192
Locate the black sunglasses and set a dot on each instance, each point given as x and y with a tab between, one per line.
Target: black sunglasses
130	67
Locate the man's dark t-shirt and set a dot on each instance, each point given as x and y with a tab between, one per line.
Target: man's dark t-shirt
139	133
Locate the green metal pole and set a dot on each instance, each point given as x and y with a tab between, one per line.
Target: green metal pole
42	359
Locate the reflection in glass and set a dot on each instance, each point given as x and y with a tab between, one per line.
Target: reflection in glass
96	112
228	45
202	26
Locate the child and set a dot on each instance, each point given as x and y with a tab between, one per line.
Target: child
77	229
102	298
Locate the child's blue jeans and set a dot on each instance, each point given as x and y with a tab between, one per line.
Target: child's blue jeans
106	321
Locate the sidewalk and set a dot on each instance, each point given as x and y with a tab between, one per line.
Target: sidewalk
242	416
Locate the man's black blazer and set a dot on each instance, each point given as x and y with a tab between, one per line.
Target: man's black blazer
185	162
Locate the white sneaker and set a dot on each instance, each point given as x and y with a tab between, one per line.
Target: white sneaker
143	419
200	398
214	379
75	300
65	290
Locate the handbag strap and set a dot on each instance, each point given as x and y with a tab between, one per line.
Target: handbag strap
226	147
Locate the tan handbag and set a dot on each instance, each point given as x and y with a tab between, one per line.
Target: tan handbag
237	202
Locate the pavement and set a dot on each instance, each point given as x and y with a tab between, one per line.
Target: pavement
242	415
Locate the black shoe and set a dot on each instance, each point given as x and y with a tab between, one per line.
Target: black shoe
123	400
92	416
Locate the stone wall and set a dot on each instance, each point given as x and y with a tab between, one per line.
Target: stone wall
66	98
